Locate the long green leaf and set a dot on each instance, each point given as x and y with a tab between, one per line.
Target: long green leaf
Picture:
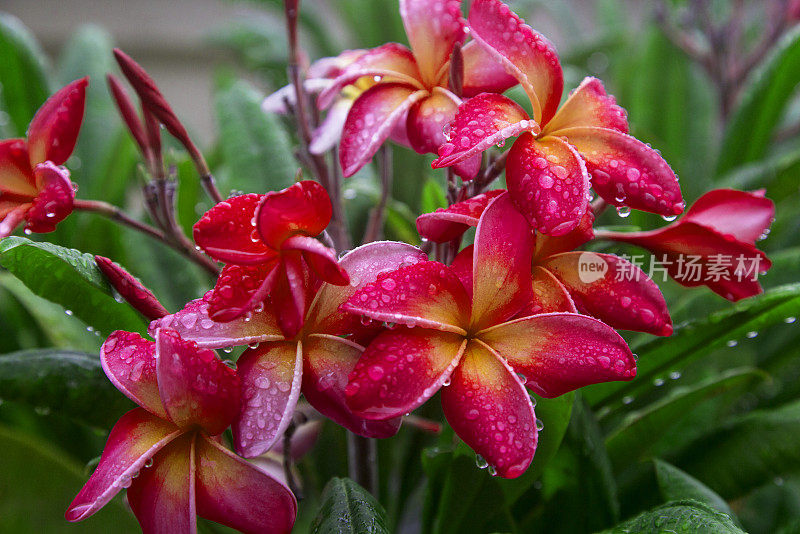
675	484
678	516
349	509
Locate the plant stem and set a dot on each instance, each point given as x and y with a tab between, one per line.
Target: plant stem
362	456
375	225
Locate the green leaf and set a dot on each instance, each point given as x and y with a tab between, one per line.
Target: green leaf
433	197
678	516
768	91
675	484
71	279
63	382
347	508
23	79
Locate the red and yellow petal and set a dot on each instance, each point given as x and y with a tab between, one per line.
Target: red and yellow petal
54	129
548	245
16	172
549	295
320	258
237	494
303	208
446	224
524	53
548	182
621	295
482	73
54	201
137	436
227	232
271	376
400	370
129	361
241	289
560	352
488	407
13	218
428	118
741	214
433	28
589	105
196	388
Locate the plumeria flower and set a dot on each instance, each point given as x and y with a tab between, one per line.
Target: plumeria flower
714	243
267	242
316	361
465	341
168	452
411	90
549	166
33	186
619	293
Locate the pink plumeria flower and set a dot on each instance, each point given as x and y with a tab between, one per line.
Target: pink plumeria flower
168	452
465	337
268	244
622	296
718	235
411	91
33	185
549	166
316	361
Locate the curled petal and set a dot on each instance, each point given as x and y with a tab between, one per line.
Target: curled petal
481	122
548	182
13	218
482	73
523	52
271	376
427	119
741	214
16	173
617	292
241	289
290	294
329	132
371	121
137	436
425	294
488	407
132	290
589	105
548	245
433	28
320	258
54	129
560	352
237	494
55	200
446	224
129	361
195	386
400	370
549	295
227	232
627	172
303	208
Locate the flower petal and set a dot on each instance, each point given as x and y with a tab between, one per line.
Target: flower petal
461	266
501	264
133	441
227	232
589	105
481	122
54	129
320	258
548	245
129	361
13	218
400	370
132	290
549	295
524	53
194	324
744	215
427	119
625	171
446	224
482	73
16	173
55	200
371	120
327	362
560	352
425	294
622	296
237	494
488	407
163	496
328	133
291	294
303	208
195	386
433	28
241	289
548	182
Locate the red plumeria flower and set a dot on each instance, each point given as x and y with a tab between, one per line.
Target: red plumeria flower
620	294
412	92
33	186
267	242
168	452
714	243
465	335
316	361
549	166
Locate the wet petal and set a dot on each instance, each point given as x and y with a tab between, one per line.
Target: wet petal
227	232
427	119
627	172
461	266
320	258
54	129
371	120
303	208
241	289
589	105
235	493
129	361
132	290
195	386
560	352
620	295
425	294
549	295
548	182
13	218
744	215
328	133
433	28
446	224
548	245
55	200
481	122
488	407
482	73
400	370
289	297
524	53
16	173
137	436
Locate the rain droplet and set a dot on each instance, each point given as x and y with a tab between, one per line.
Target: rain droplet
539	425
658	382
751	334
732	343
623	211
627	399
669	218
481	462
789	320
